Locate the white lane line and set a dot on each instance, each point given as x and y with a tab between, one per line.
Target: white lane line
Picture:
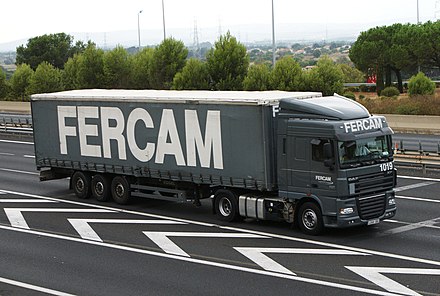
418	178
205	262
16	142
6	154
23	200
413	186
28	156
15	215
33	287
161	239
19	172
417	198
82	226
412	226
407	223
256	255
236	229
374	274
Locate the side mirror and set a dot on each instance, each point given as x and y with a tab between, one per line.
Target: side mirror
328	156
328	152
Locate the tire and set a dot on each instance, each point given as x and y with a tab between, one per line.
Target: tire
226	205
81	184
120	190
100	187
310	218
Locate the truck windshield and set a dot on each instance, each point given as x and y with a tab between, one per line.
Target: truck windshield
364	151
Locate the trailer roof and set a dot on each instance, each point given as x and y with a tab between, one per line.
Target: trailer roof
206	97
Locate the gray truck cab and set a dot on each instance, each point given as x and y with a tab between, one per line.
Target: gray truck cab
335	163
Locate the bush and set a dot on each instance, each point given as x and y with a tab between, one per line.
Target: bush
390	92
350	95
352	89
361	97
420	85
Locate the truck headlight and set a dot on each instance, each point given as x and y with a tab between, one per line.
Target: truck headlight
346	211
392	202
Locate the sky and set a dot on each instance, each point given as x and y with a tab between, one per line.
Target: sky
29	18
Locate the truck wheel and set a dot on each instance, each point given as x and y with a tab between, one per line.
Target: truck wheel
120	190
100	187
226	205
81	184
310	219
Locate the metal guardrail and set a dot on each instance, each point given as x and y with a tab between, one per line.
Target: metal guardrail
15	120
426	161
16	130
16	124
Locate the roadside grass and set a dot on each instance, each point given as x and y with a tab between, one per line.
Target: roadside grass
403	104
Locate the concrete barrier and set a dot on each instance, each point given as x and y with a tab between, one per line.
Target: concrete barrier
419	124
399	123
15	107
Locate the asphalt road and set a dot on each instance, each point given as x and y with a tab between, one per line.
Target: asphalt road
55	244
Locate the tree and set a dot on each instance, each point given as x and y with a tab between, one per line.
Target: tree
327	77
54	49
116	68
388	49
3	84
257	78
168	59
351	74
367	53
69	74
427	43
91	67
228	63
193	76
287	75
20	81
141	63
46	79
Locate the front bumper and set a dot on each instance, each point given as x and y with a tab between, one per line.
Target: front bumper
339	220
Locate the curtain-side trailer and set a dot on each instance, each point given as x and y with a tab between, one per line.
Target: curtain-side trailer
293	156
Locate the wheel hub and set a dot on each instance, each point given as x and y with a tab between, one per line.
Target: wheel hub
310	219
99	188
80	185
225	206
120	190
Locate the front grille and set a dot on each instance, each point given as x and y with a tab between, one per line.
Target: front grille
372	206
375	183
370	193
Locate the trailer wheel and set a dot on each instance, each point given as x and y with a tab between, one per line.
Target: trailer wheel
120	190
226	205
310	218
81	184
100	187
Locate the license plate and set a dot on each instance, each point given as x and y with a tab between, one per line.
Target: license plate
372	222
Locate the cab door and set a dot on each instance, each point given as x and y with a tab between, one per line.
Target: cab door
322	177
298	166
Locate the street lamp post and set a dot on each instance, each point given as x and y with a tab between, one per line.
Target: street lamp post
163	17
418	20
273	37
139	31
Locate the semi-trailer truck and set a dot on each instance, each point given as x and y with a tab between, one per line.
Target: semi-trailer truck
287	156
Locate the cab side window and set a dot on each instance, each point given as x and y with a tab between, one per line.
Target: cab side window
318	149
